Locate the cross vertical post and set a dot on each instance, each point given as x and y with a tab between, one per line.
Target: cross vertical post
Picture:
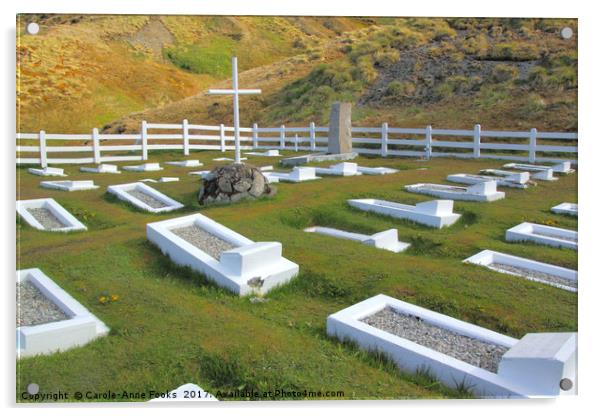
235	92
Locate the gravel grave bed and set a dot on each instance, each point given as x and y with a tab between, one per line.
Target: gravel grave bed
34	308
147	199
442	188
554	236
470	350
209	243
45	217
522	271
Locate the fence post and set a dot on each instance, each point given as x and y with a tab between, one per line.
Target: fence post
296	142
185	137
282	137
222	137
532	145
428	149
42	145
476	142
96	145
144	137
384	140
312	135
255	136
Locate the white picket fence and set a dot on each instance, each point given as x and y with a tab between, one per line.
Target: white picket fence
383	141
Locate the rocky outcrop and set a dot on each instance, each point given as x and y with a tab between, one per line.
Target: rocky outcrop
232	183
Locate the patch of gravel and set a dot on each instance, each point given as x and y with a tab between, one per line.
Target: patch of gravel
470	350
34	308
45	217
522	271
147	199
544	234
433	187
209	243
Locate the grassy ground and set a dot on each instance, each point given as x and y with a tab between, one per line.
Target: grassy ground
170	326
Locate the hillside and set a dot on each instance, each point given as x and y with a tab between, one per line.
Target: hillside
83	71
502	73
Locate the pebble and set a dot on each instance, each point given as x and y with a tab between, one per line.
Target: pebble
470	350
45	217
209	243
521	271
33	308
147	199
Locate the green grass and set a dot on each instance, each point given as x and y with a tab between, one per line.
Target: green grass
212	58
172	326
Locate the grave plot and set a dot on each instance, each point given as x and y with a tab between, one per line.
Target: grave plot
102	168
507	175
145	167
481	192
543	234
469	179
48	215
162	179
229	259
227	159
186	393
529	269
47	171
454	351
144	197
543	173
298	174
565	208
201	173
563	167
49	319
267	153
376	171
436	213
386	240
267	168
340	169
185	163
69	185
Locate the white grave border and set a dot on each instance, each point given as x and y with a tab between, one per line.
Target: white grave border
412	357
80	328
121	192
436	213
487	257
225	272
71	223
524	232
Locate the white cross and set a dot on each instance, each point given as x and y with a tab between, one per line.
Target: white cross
235	92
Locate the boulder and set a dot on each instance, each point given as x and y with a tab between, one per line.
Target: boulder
233	182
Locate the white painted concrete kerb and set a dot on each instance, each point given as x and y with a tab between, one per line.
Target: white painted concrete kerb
70	222
122	192
81	327
249	268
528	368
436	213
488	257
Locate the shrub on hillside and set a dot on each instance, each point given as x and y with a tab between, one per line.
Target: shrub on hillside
386	57
504	73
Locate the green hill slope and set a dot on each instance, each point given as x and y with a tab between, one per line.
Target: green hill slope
83	71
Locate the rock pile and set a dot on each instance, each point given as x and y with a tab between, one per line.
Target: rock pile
232	183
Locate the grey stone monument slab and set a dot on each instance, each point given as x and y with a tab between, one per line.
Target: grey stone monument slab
339	129
339	139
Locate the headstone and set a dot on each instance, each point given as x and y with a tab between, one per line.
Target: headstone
339	130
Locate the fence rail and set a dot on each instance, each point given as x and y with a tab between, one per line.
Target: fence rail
530	146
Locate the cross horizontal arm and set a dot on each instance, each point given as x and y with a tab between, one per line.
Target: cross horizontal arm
231	92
